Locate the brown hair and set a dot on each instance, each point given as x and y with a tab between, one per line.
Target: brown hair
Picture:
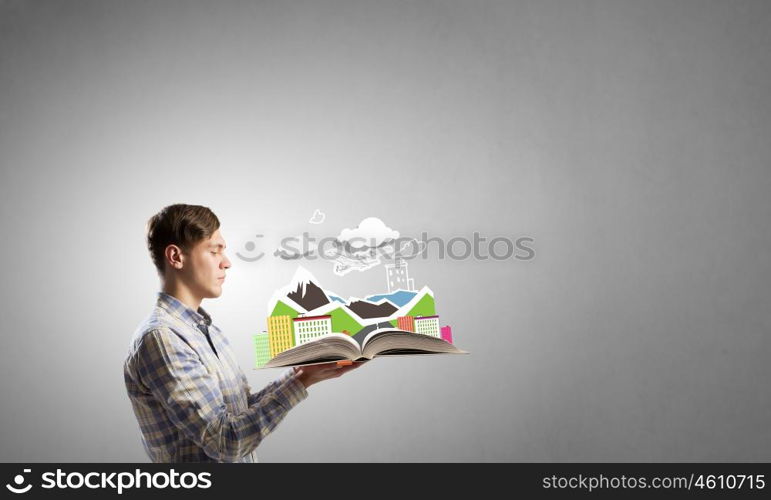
181	225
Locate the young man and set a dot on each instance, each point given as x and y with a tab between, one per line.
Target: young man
191	399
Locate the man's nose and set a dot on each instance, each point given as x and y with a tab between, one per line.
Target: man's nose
226	262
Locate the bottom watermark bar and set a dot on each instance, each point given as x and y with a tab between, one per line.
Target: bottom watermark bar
551	480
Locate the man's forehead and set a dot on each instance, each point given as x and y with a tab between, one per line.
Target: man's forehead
216	240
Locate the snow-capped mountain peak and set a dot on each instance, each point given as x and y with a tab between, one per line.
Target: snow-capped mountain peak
301	279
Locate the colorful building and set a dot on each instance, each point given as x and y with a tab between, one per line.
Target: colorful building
447	333
406	323
261	348
280	334
427	325
307	328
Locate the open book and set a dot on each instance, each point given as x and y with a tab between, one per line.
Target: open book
340	346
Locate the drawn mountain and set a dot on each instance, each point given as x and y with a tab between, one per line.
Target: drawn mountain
368	310
281	308
303	296
422	304
306	293
344	320
399	297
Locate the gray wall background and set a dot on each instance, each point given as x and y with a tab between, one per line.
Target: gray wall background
628	138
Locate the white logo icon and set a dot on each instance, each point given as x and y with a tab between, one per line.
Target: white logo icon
19	480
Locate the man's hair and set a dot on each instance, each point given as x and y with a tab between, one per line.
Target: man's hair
181	225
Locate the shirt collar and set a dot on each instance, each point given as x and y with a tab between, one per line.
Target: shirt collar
176	308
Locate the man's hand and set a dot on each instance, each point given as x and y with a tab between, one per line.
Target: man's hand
310	374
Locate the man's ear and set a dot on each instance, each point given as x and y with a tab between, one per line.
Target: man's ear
174	257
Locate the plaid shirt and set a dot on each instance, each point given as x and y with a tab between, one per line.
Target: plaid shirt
191	399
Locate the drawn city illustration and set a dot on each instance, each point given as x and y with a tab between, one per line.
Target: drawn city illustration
303	311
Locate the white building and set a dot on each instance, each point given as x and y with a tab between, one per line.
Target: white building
307	328
427	325
397	276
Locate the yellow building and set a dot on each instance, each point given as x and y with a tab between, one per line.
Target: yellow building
280	335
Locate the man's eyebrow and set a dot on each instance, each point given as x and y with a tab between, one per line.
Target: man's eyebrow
216	245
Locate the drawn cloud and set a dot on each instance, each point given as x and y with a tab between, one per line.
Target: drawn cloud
357	249
370	233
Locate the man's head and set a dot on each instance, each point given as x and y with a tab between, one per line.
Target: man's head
186	246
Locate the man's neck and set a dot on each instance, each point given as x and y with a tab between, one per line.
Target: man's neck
182	294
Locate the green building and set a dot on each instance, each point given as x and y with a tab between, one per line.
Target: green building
261	348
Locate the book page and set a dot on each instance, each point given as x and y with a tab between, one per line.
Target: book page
330	347
390	342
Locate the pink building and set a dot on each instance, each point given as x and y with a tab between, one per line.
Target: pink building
447	333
